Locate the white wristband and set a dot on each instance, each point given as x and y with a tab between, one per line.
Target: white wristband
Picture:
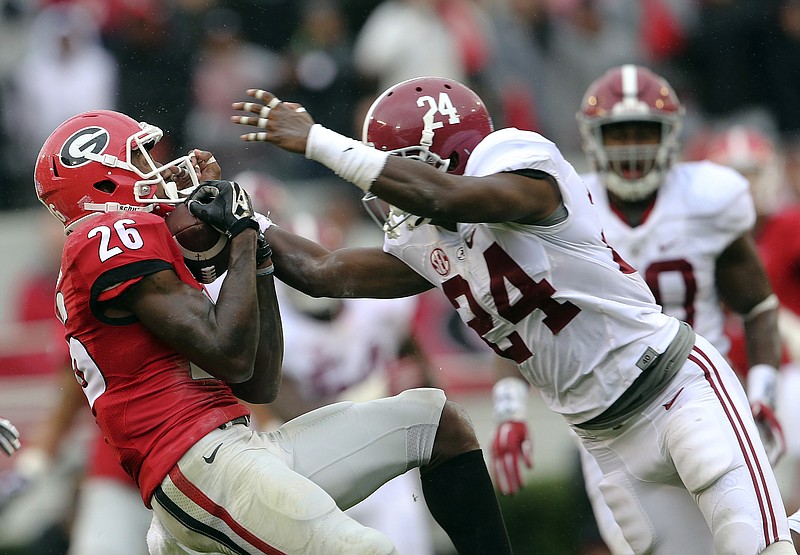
761	383
268	271
510	399
349	159
264	223
770	302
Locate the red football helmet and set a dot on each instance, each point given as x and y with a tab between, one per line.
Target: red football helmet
630	93
436	120
85	167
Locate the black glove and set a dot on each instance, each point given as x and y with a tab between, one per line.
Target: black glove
263	249
224	205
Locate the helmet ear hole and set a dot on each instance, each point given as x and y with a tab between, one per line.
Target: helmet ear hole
54	166
105	186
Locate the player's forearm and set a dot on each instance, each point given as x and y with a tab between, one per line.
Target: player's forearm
762	339
264	385
236	314
298	262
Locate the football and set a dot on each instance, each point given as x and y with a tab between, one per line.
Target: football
205	250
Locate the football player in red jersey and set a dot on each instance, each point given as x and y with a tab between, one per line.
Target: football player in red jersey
162	366
504	226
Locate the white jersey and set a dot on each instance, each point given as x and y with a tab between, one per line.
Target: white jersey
556	299
325	358
701	208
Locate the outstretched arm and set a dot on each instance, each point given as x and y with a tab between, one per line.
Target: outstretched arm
355	272
417	188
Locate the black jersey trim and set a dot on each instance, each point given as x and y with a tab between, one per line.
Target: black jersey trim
193	524
120	275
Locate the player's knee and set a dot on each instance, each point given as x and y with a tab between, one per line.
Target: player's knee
348	536
780	548
736	538
634	524
455	435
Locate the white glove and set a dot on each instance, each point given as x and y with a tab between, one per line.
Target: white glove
9	437
761	392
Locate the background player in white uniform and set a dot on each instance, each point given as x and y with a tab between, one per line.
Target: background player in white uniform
517	247
686	227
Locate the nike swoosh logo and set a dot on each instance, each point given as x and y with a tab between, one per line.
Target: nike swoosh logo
668	245
469	239
668	405
210	459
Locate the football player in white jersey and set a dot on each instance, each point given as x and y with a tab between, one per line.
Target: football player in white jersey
503	224
686	227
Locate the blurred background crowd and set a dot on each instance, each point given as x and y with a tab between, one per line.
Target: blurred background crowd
179	64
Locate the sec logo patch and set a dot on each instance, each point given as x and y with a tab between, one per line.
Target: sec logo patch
440	262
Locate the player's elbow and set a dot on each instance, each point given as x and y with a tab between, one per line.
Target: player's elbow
235	368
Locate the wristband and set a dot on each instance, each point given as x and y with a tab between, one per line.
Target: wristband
510	399
268	271
349	159
770	302
240	225
264	223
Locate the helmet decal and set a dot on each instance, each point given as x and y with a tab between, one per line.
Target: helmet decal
90	140
99	146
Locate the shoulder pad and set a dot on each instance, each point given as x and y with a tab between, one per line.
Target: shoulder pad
714	192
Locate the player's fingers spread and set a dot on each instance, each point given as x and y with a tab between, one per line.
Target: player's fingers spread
243	120
527	453
502	483
250	137
514	472
497	472
508	474
264	96
294	106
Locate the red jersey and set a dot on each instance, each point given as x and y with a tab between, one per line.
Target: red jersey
148	406
779	245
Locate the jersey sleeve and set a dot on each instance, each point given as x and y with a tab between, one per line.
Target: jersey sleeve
510	149
723	201
116	250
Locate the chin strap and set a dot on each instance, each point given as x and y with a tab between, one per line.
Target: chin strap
116	207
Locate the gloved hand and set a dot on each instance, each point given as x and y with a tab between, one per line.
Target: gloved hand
224	205
511	448
761	392
9	437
